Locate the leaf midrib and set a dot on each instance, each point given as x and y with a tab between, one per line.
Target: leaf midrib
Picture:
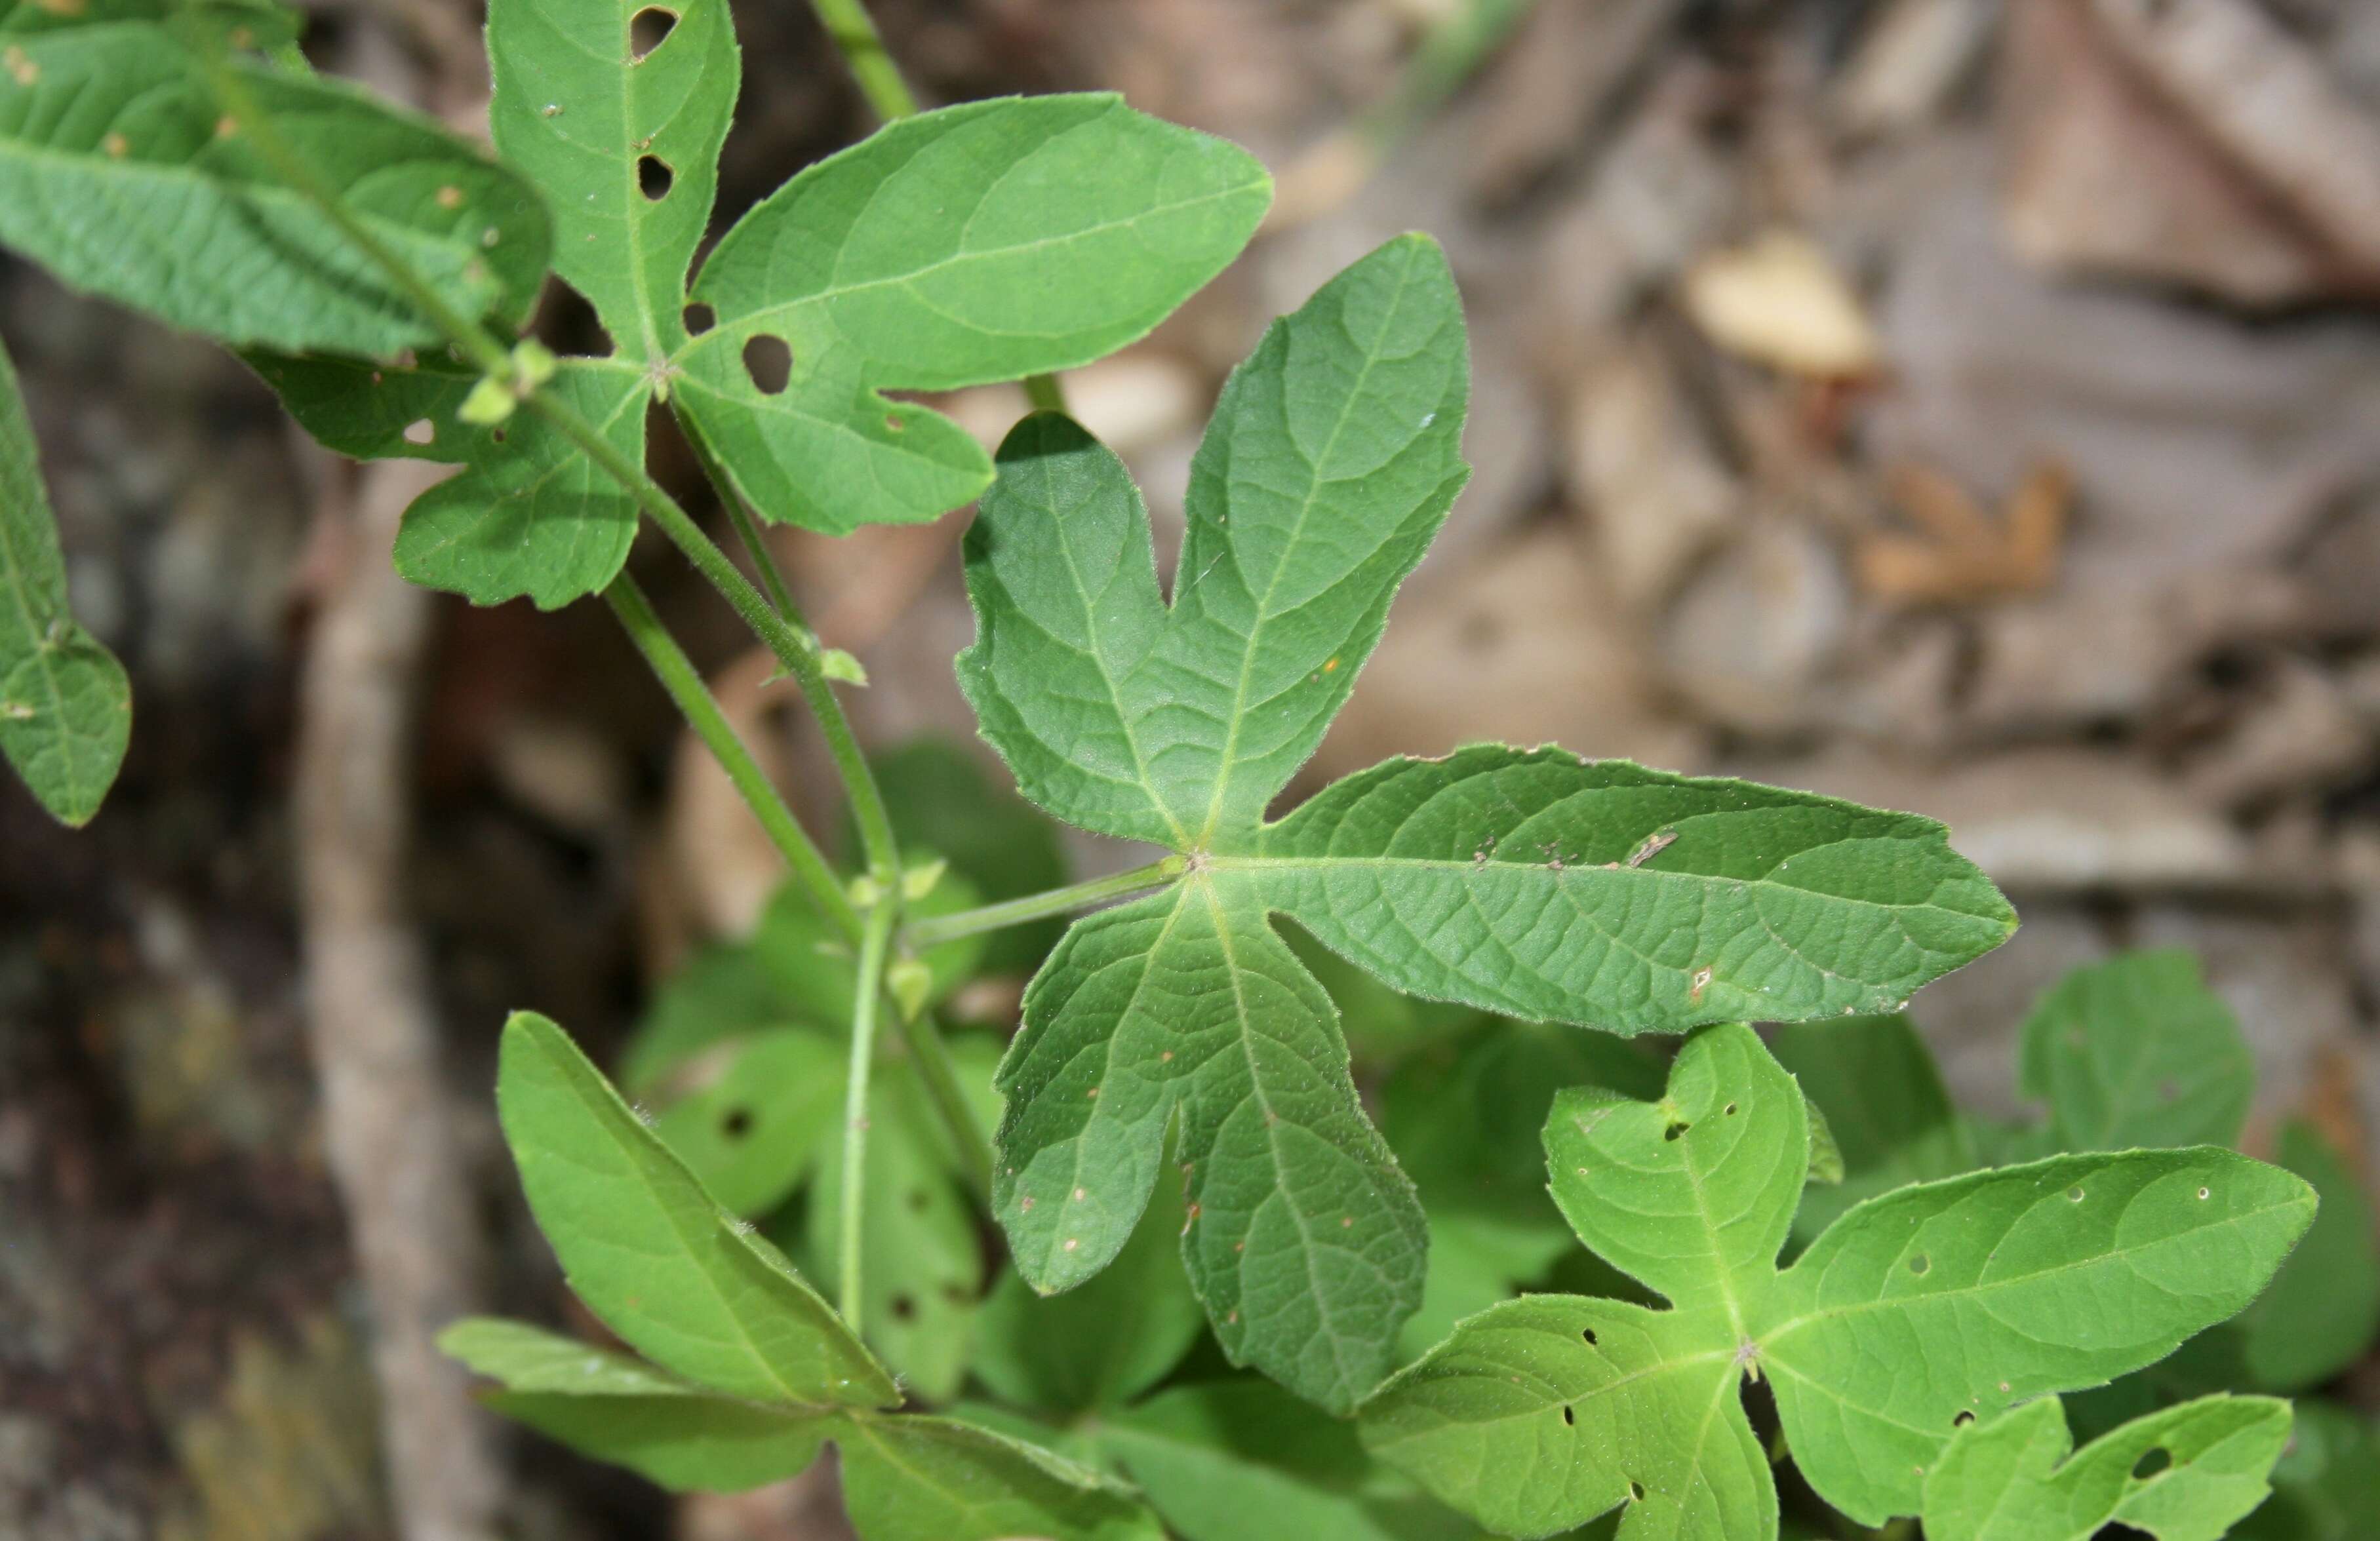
1589	873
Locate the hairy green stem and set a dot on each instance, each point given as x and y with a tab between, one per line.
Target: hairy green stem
679	677
854	33
740	515
926	933
793	646
921	1034
876	938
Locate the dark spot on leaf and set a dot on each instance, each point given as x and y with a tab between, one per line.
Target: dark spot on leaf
2153	1460
1570	1419
905	1309
1673	1130
1636	1490
737	1124
770	361
698	318
1729	1110
1588	1333
497	434
653	177
919	1199
1920	1263
892	423
1963	1419
648	30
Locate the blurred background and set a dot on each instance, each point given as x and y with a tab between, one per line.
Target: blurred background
1969	406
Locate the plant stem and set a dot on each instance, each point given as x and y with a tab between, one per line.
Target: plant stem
922	934
794	647
922	1033
854	33
747	526
933	1055
678	677
1046	392
876	937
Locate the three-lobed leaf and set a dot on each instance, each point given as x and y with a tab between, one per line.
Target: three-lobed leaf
1529	882
65	707
624	143
1913	1315
976	244
2184	1473
121	172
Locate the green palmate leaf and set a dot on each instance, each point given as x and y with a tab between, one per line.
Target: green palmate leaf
674	1275
118	174
1884	1103
2182	1475
624	145
65	707
2138	1051
2327	1484
753	1134
1915	1314
1101	1345
1525	881
980	243
2324	1307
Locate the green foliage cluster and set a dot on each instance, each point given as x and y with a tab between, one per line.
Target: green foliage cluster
1570	1281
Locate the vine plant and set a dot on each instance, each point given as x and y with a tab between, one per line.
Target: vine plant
377	272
